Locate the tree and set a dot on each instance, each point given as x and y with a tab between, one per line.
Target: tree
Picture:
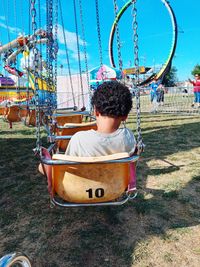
196	70
170	78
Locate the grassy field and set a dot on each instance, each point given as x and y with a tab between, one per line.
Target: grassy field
160	228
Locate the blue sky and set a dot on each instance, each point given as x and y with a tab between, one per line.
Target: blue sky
154	29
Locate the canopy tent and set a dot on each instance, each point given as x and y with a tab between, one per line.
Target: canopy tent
104	73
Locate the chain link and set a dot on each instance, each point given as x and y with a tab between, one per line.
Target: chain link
50	56
118	37
50	43
78	51
36	75
56	49
99	33
85	53
140	144
67	55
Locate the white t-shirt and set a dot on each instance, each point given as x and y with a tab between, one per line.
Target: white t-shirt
92	143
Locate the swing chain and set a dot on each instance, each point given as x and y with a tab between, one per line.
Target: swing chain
140	145
36	75
118	37
99	33
67	55
135	41
78	52
56	47
50	55
47	30
85	52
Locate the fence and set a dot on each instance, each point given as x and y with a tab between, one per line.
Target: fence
176	100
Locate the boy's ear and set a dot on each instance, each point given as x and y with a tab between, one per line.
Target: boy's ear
96	112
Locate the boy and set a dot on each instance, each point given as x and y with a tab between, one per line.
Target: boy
112	102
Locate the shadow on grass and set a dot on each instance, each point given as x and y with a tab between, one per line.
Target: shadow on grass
94	236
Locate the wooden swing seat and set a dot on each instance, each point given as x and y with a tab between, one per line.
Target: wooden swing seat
84	181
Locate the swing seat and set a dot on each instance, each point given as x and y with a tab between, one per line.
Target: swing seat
85	181
31	118
70	129
68	118
15	113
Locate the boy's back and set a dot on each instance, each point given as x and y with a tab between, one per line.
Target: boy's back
92	143
112	102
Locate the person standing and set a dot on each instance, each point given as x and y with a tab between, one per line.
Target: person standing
160	94
196	90
154	94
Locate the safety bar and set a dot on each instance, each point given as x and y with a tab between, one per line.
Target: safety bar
65	162
56	202
72	113
53	138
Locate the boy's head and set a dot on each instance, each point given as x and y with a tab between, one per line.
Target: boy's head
112	99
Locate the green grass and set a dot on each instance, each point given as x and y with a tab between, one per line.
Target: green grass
166	209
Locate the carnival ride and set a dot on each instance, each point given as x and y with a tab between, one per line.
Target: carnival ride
18	101
167	65
72	181
86	181
23	45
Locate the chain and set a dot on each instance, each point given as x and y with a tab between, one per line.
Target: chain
78	51
39	23
50	58
50	44
35	72
99	33
85	52
16	61
55	50
28	63
67	55
47	30
137	89
118	37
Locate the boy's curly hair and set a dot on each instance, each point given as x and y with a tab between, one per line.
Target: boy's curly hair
112	99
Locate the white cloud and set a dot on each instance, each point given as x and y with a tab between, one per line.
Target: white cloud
75	55
71	39
61	52
11	29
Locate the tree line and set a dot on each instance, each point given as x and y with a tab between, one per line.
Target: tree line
171	78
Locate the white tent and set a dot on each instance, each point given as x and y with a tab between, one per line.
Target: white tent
64	91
